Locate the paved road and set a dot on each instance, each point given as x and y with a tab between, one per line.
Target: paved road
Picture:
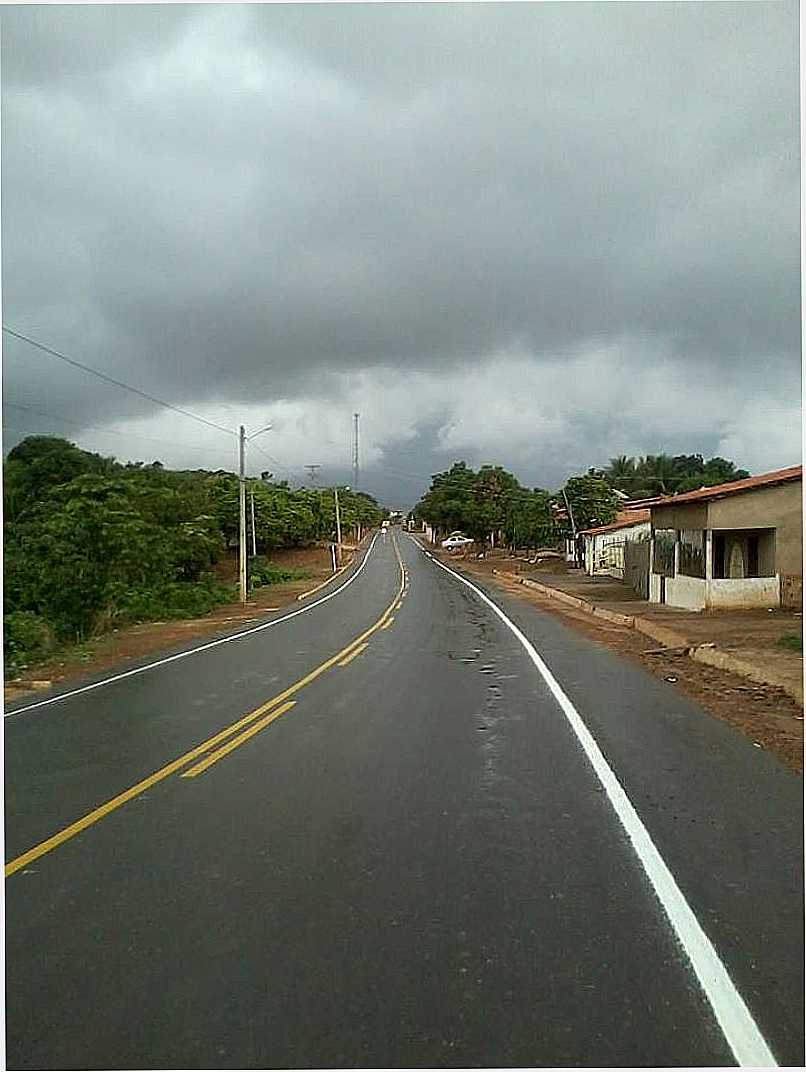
416	864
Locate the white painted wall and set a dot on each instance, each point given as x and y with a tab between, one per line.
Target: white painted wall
686	592
744	592
693	593
604	552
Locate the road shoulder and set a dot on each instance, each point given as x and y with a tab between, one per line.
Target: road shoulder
763	713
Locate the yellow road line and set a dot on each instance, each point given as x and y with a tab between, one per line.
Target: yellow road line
332	577
133	791
238	741
355	652
387	623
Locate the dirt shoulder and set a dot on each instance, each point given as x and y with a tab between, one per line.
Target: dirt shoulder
116	650
766	715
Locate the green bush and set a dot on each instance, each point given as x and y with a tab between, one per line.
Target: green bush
792	642
173	599
26	638
262	572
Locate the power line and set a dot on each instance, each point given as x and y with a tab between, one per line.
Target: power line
102	431
117	383
273	460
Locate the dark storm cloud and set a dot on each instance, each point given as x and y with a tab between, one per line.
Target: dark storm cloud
234	203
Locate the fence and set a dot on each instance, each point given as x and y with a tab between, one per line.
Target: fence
636	566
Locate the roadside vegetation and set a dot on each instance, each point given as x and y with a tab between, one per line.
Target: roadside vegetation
91	544
791	642
491	500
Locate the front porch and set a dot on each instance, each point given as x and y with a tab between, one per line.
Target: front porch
714	569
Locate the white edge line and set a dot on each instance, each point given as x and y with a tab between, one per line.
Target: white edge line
195	651
734	1018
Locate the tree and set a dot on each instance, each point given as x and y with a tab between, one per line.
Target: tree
40	463
715	471
620	473
451	503
493	488
529	521
591	499
659	474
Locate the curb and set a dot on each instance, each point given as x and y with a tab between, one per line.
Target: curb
723	660
708	654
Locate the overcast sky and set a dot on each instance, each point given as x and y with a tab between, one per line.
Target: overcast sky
537	235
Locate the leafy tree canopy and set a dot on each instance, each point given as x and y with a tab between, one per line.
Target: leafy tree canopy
89	541
662	474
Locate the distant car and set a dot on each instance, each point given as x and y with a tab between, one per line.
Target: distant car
455	541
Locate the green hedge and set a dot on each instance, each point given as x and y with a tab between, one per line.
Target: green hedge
26	639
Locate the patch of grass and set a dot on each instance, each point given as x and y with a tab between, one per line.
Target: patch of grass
262	572
792	642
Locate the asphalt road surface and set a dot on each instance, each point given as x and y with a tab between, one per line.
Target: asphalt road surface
397	830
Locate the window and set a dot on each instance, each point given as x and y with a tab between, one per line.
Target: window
692	552
663	554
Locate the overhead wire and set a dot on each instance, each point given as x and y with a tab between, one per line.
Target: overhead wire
275	461
103	431
117	383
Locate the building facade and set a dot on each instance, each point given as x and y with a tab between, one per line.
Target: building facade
737	545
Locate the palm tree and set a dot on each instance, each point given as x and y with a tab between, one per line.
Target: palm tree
659	473
620	473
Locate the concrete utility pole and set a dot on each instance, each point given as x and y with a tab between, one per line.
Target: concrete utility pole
242	437
254	545
338	525
242	511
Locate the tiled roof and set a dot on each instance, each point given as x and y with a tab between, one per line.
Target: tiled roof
719	491
624	520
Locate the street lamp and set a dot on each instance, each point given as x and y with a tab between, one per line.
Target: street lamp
242	439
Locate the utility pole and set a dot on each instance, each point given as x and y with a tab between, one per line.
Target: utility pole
355	451
254	545
242	511
312	472
242	437
338	525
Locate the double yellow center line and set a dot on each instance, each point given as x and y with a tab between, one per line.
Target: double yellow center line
255	721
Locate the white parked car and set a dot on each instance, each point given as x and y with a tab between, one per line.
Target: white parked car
455	541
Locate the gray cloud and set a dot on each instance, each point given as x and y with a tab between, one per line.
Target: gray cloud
234	205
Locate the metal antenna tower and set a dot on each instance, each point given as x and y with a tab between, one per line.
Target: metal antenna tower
312	471
355	451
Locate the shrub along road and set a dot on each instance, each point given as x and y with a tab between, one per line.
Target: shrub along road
388	832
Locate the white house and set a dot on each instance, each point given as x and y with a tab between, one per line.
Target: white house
604	545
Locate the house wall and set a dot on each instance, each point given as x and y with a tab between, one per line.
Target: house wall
778	507
743	594
655	581
604	552
685	516
686	592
